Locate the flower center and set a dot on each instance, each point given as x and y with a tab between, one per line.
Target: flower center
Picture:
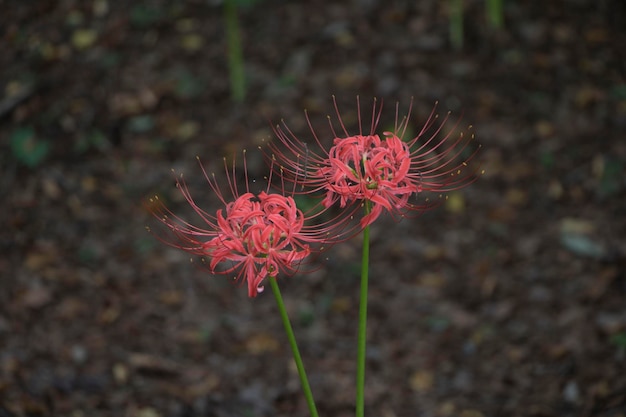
261	230
365	164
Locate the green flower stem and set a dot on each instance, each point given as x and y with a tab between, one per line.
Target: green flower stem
456	23
494	13
362	336
294	347
235	54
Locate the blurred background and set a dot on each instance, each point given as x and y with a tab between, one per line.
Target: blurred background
509	300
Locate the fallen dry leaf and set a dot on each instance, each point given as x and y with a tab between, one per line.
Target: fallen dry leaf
35	297
84	38
261	343
422	381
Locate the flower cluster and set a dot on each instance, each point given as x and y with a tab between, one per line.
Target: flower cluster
383	171
260	236
366	168
255	236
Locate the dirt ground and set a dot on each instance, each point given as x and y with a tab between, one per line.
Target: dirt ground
509	300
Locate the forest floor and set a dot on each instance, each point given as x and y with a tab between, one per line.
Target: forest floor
508	300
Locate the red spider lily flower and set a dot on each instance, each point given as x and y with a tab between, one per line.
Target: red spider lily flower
387	171
255	236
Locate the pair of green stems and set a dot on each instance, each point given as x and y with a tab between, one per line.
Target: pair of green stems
235	50
361	338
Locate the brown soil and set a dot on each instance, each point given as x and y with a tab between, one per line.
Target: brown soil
509	300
